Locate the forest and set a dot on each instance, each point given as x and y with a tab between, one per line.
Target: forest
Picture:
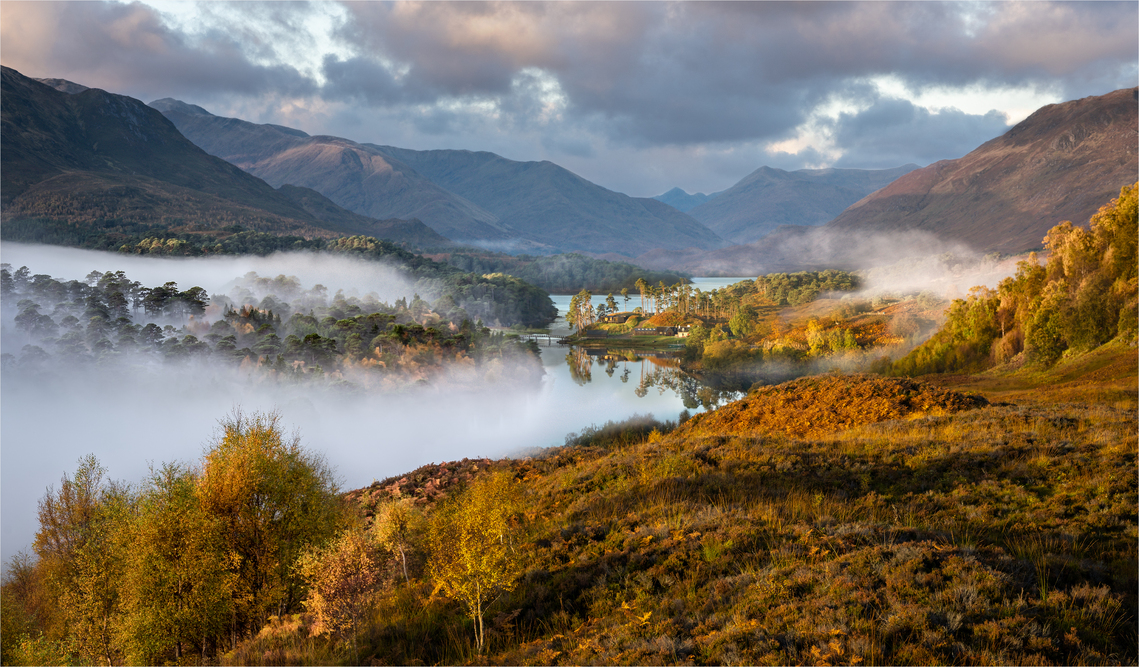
272	327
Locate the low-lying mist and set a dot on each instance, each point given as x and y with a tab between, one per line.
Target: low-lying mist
216	274
447	393
948	275
902	261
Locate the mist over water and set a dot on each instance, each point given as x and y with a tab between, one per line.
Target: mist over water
140	412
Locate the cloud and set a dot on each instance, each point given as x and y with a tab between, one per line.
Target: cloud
129	49
587	82
893	132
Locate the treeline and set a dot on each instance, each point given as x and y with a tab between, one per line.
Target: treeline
1083	297
194	561
564	274
732	301
290	333
496	299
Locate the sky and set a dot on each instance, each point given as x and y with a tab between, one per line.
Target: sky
639	97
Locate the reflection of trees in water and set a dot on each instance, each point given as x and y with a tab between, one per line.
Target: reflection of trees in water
580	365
664	374
691	391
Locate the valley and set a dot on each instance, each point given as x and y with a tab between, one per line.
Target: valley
841	517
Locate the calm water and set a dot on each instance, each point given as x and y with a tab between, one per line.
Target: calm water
618	385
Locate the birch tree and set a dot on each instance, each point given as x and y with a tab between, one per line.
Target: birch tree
473	555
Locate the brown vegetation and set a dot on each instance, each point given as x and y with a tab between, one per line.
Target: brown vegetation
813	406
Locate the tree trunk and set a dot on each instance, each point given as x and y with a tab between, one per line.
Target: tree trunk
478	617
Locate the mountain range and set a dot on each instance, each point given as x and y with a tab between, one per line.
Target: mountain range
491	201
88	158
1061	163
769	198
95	160
471	197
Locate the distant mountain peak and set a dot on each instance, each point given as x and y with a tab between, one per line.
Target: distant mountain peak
769	198
682	201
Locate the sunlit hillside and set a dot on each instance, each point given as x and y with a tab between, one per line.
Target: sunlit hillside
945	533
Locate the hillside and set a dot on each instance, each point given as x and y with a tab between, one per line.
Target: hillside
1058	164
769	198
409	232
96	157
83	166
934	528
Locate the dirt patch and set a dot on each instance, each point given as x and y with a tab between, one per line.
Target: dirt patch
826	403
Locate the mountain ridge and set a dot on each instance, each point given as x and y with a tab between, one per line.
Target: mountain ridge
1060	163
527	195
469	196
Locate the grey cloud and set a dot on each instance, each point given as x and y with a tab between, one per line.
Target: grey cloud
453	49
697	72
894	132
362	79
803	159
569	146
687	76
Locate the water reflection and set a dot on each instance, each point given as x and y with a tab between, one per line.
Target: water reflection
664	373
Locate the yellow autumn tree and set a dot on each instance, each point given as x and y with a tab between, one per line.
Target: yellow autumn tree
178	575
273	499
472	538
80	560
396	527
